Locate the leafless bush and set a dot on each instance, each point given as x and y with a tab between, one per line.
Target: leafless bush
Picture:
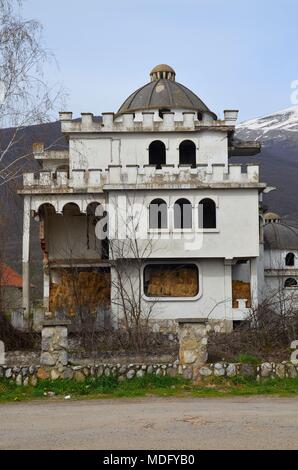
266	334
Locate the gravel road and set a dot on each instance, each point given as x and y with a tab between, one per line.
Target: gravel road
151	423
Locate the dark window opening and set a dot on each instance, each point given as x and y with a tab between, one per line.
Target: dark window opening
171	280
162	111
291	282
182	214
157	153
158	214
187	153
290	259
207	213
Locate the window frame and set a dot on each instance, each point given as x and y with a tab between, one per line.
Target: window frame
158	230
295	286
173	299
292	254
182	229
208	229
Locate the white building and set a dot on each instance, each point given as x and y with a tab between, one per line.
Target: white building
167	154
280	262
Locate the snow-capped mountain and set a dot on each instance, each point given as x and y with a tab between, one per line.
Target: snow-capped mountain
278	134
284	120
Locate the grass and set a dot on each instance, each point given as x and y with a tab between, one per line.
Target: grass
246	359
109	387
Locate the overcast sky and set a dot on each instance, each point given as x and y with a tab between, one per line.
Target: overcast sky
239	54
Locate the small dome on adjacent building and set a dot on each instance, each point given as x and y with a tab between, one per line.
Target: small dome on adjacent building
278	236
164	93
271	217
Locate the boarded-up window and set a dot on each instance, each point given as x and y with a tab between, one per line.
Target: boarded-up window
171	280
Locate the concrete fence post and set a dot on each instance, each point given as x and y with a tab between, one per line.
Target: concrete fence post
54	343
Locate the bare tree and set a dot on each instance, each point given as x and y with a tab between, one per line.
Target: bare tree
25	97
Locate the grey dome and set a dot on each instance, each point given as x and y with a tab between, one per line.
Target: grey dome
163	92
278	236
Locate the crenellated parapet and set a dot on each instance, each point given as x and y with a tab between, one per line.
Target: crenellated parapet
142	177
147	121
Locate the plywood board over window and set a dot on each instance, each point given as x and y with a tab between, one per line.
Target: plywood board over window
171	280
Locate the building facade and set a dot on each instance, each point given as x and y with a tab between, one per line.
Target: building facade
152	187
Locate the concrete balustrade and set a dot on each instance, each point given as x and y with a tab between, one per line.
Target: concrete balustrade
78	178
128	120
87	121
112	123
108	121
134	174
45	178
94	177
168	121
189	119
230	116
62	178
235	172
148	120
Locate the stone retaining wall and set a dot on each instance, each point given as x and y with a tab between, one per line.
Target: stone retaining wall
29	375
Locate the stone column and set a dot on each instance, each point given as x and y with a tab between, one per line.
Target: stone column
192	335
54	343
26	258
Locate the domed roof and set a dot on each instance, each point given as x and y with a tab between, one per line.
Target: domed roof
278	236
163	92
271	216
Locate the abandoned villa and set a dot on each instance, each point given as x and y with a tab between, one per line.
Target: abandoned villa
144	205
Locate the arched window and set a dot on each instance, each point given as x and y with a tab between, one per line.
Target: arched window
291	282
182	214
157	153
290	259
187	153
158	214
207	213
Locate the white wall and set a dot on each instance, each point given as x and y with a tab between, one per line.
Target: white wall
211	300
132	148
236	234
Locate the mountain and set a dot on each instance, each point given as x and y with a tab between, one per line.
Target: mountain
278	159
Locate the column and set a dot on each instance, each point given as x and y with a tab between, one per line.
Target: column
228	306
26	258
254	282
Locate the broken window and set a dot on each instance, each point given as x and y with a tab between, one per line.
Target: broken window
182	214
157	153
158	214
187	153
171	280
290	259
207	213
291	282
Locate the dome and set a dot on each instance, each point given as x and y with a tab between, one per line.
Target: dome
271	216
280	237
163	92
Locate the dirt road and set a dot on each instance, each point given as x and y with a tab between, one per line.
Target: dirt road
151	423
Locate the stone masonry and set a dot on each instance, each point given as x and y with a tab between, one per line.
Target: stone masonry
54	343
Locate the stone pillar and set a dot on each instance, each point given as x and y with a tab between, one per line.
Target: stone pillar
26	258
54	343
2	353
192	335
